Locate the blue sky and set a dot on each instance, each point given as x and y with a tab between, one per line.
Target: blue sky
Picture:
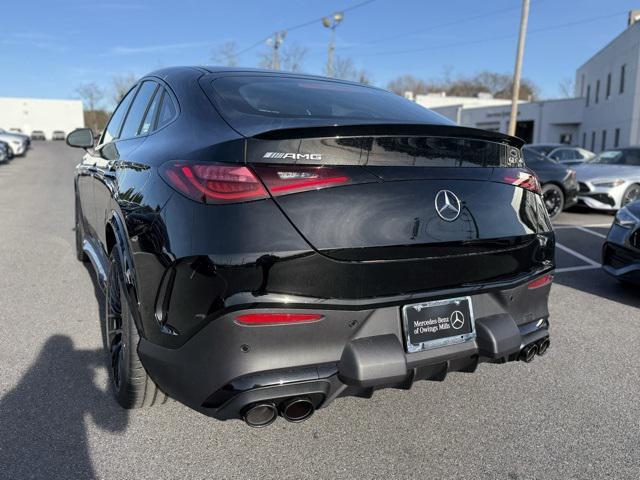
49	48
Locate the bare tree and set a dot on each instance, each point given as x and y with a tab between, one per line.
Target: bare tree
497	84
91	95
292	57
121	85
345	69
566	87
364	77
409	83
226	54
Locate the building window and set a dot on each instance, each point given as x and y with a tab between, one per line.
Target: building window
584	139
616	138
603	145
593	141
622	72
588	94
608	86
566	138
582	86
597	91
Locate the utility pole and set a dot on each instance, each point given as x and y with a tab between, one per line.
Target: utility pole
274	42
518	68
331	23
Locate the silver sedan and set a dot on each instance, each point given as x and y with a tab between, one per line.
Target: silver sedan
610	180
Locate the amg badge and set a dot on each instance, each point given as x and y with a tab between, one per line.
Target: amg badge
293	156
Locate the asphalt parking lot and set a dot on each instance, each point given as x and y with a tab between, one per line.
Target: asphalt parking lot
570	414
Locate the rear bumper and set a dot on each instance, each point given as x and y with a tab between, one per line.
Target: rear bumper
226	366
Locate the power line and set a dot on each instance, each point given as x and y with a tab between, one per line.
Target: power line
490	39
302	25
442	25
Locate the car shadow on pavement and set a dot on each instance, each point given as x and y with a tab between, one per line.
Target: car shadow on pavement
42	420
598	283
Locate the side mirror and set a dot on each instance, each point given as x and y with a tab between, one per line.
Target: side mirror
80	138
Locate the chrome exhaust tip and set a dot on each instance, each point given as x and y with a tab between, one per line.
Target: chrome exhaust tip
528	353
297	409
543	346
260	414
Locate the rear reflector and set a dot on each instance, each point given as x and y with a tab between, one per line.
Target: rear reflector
540	282
285	179
213	183
276	318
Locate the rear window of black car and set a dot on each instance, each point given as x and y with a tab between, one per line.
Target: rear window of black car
300	98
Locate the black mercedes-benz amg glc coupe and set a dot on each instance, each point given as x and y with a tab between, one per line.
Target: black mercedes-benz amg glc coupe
268	242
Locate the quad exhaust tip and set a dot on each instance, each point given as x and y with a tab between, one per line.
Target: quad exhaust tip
260	414
529	352
297	409
543	346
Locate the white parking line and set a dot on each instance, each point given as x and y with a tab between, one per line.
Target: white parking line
586	260
576	269
594	225
597	234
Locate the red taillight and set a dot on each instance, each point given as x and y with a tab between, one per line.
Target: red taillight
540	282
284	179
523	178
213	183
276	318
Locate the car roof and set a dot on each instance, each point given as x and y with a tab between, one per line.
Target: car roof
213	69
547	145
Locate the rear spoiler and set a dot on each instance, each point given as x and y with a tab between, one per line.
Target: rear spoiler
388	129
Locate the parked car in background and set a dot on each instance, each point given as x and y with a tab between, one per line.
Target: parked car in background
571	155
4	152
610	180
562	153
17	130
38	135
263	240
58	135
8	149
18	142
621	250
544	148
559	184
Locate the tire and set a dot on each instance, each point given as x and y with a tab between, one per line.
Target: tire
130	383
631	194
79	230
553	198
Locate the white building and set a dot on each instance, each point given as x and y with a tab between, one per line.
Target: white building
604	114
29	114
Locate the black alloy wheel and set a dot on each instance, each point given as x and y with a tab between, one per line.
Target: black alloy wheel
131	385
631	194
553	199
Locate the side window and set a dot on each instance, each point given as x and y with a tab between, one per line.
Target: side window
138	109
113	128
167	110
147	123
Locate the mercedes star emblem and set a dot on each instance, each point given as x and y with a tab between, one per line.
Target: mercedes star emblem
457	320
447	205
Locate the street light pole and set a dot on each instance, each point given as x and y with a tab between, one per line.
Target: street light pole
515	96
330	52
275	42
331	23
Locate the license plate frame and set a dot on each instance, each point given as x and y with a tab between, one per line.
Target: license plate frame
416	341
